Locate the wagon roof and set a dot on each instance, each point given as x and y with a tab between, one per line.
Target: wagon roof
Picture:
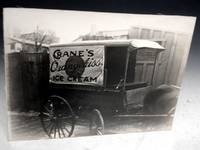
137	43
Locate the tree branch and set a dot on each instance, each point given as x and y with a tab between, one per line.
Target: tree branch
41	42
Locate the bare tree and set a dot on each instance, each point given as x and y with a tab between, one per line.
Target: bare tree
40	37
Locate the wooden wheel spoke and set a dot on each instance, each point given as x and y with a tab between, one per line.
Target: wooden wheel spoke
49	111
67	117
51	129
46	114
49	125
99	132
55	131
46	119
67	130
62	131
59	131
64	126
67	123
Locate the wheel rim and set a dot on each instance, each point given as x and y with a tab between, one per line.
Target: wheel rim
57	118
96	123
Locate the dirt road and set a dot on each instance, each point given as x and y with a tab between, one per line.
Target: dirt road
28	126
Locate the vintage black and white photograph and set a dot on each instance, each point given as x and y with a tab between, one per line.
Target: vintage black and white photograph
79	73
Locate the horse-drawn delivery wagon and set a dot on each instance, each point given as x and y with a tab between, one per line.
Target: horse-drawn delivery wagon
99	78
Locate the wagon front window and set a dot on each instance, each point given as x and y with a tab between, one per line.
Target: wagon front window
145	63
140	67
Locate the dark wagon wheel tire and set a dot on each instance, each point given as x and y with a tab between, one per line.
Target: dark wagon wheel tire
96	125
57	117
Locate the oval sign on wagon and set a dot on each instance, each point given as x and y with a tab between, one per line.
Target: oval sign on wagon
77	64
74	66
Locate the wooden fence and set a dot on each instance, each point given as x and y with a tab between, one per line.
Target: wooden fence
27	80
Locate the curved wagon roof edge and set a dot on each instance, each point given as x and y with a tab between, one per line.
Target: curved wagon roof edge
136	43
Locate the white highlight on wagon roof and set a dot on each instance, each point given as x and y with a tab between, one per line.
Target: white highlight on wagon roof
146	43
137	43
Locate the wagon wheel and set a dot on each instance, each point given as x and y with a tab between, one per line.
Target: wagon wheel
96	126
57	117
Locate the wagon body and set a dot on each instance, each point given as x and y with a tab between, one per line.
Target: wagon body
101	78
108	85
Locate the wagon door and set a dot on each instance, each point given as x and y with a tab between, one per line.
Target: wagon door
115	65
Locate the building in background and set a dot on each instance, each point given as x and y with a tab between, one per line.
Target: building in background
104	35
21	45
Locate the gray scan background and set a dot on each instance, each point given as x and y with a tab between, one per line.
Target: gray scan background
185	134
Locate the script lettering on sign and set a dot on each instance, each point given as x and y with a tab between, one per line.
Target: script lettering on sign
77	65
